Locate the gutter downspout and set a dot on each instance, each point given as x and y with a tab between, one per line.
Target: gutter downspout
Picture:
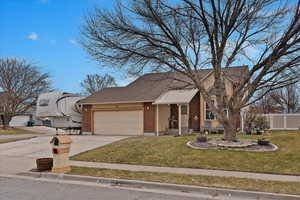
157	120
179	119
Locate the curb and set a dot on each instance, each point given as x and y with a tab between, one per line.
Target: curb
212	192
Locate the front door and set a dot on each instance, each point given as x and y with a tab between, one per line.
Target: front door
173	120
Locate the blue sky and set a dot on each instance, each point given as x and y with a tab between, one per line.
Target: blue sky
46	32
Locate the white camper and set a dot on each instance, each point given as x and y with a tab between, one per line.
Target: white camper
61	109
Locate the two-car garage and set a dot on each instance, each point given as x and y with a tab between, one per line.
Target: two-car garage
118	120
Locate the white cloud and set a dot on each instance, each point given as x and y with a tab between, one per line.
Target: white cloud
73	42
33	36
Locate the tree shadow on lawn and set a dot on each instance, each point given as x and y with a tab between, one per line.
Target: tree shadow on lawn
173	152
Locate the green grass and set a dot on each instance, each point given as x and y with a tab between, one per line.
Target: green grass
173	152
2	141
209	181
14	131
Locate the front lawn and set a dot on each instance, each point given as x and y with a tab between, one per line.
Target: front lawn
14	131
208	181
173	152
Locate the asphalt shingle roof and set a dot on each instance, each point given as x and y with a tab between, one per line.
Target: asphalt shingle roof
149	87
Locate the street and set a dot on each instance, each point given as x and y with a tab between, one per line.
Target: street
13	188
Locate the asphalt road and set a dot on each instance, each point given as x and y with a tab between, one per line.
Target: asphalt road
12	188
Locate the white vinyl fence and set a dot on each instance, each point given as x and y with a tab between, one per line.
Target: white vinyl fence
283	121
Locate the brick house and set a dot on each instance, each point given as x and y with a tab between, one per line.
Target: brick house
155	103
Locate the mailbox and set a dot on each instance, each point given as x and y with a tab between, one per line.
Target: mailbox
60	149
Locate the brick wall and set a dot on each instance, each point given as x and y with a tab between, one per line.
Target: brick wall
86	118
194	118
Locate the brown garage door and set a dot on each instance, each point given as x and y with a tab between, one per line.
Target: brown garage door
118	122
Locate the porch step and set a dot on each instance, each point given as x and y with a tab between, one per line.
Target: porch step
173	131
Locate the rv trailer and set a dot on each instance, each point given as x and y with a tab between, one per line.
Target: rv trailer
61	109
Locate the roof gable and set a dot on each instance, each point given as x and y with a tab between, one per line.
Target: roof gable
149	87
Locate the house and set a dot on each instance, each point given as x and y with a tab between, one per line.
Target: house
19	119
22	119
155	103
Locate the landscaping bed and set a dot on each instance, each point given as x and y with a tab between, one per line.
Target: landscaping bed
208	181
170	151
238	145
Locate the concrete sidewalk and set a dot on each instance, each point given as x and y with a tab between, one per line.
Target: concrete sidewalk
207	172
20	156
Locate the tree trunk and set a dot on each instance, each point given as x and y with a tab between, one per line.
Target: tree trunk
5	119
229	132
2	120
231	124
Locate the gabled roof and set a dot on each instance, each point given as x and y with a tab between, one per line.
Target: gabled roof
149	87
183	96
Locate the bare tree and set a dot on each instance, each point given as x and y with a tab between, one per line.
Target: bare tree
95	82
21	83
287	98
266	104
159	35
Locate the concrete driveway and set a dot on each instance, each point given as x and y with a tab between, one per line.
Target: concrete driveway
20	156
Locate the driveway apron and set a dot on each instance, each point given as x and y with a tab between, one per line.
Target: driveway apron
20	156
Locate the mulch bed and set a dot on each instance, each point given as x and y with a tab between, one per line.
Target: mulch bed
212	145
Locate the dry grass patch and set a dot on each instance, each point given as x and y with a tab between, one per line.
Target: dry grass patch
173	152
14	131
2	141
209	181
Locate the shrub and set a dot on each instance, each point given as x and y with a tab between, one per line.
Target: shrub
261	123
263	142
201	139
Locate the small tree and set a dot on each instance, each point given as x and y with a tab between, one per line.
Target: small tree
266	104
249	118
189	35
95	82
21	83
288	98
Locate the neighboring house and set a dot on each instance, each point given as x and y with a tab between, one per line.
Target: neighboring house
155	103
20	119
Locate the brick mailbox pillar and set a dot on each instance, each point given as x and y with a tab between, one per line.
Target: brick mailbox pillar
60	149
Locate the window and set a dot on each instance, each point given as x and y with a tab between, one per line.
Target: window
44	102
226	112
209	115
184	110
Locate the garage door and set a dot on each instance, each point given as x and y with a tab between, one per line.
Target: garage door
118	123
20	120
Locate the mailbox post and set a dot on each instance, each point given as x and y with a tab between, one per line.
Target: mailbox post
60	149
